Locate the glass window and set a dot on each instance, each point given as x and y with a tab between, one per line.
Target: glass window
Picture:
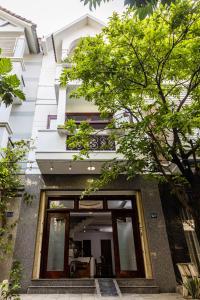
61	204
126	244
119	204
84	116
91	204
56	247
53	124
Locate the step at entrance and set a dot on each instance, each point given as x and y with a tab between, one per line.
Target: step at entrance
62	286
137	286
100	286
107	287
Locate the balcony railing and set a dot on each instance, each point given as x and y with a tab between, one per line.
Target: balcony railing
96	143
7	45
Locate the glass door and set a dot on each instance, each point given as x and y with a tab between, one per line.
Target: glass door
55	248
127	245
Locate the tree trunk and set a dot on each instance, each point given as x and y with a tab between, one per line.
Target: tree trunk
194	197
190	200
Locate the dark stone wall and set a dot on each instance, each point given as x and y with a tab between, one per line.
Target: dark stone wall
162	266
176	236
26	230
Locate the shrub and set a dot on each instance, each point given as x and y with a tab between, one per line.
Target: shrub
193	287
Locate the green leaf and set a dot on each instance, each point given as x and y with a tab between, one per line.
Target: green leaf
12	80
18	93
5	65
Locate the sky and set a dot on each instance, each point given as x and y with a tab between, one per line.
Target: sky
51	15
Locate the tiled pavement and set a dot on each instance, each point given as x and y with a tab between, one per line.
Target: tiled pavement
95	297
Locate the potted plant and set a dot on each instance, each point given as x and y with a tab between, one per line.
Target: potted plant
193	287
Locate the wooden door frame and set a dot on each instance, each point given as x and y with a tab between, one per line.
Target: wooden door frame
45	244
140	273
133	213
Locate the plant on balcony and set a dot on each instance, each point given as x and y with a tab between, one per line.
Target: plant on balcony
61	126
9	83
11	184
150	70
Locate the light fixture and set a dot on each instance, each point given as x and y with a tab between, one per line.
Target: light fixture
106	229
70	167
51	167
90	180
91	168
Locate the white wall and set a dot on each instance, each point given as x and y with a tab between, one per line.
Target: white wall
96	238
21	118
79	105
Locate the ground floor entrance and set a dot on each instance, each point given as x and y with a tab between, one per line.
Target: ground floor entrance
97	237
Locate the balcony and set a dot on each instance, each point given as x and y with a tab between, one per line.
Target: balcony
7	44
51	152
97	143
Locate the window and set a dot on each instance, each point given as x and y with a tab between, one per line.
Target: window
52	122
69	204
93	118
90	204
119	204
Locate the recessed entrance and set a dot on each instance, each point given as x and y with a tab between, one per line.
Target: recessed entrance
97	237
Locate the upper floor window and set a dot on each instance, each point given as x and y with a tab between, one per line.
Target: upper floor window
93	119
52	122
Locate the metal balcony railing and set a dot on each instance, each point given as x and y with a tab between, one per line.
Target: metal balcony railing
97	143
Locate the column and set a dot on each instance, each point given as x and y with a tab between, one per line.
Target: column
61	106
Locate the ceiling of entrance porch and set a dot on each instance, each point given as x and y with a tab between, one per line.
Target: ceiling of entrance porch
70	167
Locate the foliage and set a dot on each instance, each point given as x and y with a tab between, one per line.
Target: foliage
143	7
146	73
9	289
132	3
9	83
10	183
193	287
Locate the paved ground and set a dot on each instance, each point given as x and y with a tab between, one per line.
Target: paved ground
91	297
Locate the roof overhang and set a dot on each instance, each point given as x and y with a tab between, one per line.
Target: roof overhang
57	37
26	25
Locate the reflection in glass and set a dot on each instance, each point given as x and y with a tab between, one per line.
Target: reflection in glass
91	204
61	204
56	245
119	204
126	244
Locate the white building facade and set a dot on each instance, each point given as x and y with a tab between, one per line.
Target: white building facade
118	232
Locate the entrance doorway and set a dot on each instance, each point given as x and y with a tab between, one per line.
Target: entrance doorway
91	238
90	233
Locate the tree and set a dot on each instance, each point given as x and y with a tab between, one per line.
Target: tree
132	3
9	83
10	185
146	73
11	182
143	7
11	156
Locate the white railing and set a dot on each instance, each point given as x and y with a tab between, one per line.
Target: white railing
8	45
